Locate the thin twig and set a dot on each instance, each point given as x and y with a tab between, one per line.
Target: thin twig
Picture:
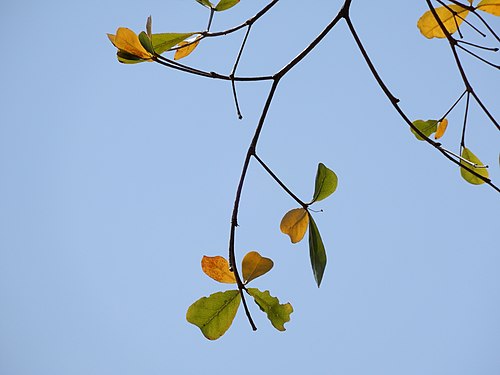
233	72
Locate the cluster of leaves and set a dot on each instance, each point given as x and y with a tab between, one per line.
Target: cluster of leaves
215	314
296	221
451	17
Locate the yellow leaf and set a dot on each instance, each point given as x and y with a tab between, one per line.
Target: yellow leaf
185	51
127	41
295	223
490	6
255	265
441	128
468	176
452	16
218	269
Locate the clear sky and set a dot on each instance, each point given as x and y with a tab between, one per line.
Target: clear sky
115	180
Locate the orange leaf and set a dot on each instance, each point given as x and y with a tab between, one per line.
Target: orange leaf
218	269
128	41
295	223
441	128
185	51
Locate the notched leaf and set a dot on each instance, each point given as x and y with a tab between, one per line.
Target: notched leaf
214	314
255	265
277	313
295	223
218	269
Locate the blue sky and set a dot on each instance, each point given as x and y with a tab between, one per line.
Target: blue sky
115	181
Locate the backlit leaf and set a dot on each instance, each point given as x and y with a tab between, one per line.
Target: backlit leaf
185	51
294	223
146	42
214	314
426	127
451	16
277	313
255	265
490	6
163	42
206	3
317	252
441	128
226	4
468	176
127	41
326	183
218	269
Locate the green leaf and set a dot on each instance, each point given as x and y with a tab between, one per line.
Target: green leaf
277	313
226	4
127	58
468	176
326	183
146	42
214	314
206	3
426	127
317	252
163	42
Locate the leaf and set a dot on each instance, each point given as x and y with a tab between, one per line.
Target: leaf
146	42
317	252
490	6
127	41
149	23
427	127
214	314
326	183
441	128
218	269
255	265
206	3
294	223
185	51
468	176
277	313
126	58
451	16
163	42
226	4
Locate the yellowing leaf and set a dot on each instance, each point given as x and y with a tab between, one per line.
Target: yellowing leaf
468	176
127	41
426	127
452	16
218	269
214	314
295	223
490	6
185	51
441	128
255	265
